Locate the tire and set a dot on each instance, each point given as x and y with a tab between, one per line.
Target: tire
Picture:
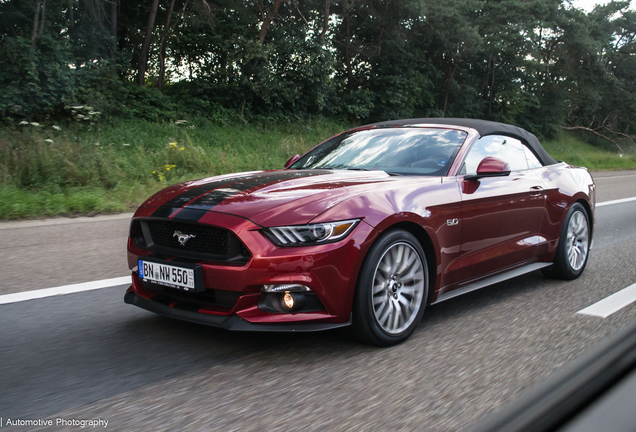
391	291
574	246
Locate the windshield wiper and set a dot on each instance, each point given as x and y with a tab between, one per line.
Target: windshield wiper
343	168
391	173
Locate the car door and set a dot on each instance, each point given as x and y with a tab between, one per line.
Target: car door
501	216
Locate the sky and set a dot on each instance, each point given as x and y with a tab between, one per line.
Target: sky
588	5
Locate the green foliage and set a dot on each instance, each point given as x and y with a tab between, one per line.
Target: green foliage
35	81
110	167
539	64
355	104
19	204
573	150
79	135
104	168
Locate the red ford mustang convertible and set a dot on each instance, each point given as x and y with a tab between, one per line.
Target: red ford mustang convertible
366	229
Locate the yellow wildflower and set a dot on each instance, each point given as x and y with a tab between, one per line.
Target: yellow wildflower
173	144
182	148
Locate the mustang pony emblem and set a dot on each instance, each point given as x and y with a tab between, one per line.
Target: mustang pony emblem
183	238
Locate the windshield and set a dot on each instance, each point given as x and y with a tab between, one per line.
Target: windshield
401	151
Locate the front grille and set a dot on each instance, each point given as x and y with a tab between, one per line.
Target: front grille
207	239
208	243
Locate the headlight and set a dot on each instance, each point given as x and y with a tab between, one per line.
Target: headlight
305	235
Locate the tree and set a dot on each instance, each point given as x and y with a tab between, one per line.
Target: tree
145	48
540	64
113	26
267	21
162	45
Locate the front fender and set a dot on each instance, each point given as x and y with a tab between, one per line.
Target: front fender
429	206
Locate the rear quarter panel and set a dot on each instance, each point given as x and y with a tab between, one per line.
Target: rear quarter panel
564	185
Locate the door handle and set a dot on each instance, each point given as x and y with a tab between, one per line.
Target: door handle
536	190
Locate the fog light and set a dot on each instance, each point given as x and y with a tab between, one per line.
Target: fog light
285	288
288	300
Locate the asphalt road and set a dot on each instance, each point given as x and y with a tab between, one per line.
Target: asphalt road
89	356
61	251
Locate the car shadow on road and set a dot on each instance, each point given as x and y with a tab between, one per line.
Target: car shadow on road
494	296
198	336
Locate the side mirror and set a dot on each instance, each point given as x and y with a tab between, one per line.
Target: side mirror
490	166
291	161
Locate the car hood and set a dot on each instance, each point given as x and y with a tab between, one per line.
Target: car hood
269	198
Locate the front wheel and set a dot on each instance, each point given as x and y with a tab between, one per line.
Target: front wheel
574	245
392	290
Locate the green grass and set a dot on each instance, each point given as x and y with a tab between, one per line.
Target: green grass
18	203
113	168
572	150
90	169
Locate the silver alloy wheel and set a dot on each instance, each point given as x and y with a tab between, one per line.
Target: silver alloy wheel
398	288
577	240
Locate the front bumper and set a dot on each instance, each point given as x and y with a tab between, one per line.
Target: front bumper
227	322
232	291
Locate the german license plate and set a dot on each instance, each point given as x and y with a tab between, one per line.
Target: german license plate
167	275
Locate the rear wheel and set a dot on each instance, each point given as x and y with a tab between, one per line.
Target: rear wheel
574	245
392	290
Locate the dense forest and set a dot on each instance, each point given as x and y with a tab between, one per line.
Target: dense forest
540	64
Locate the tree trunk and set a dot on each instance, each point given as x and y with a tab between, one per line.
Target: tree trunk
380	37
594	131
71	17
268	20
347	53
113	27
42	15
143	56
37	4
162	47
451	72
325	23
486	80
492	82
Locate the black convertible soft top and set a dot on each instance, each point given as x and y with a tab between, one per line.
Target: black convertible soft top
484	127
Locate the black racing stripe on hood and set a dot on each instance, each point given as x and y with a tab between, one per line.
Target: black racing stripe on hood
186	214
182	199
193	212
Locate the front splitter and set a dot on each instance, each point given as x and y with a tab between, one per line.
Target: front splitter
232	322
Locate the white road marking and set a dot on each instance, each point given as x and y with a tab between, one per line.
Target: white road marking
66	289
106	283
613	177
618	201
611	304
